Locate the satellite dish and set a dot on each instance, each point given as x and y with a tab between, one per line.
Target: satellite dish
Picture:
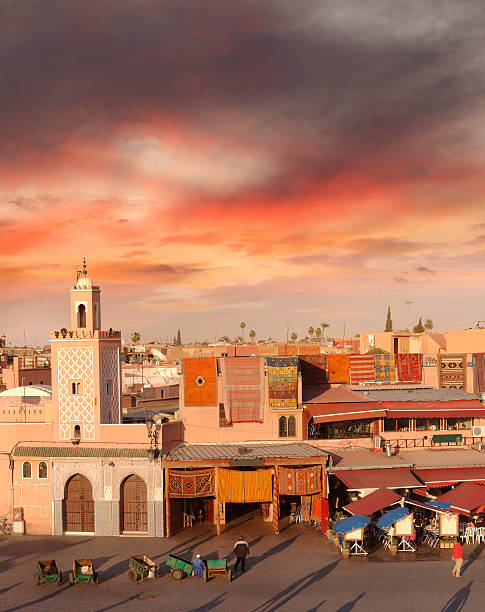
63	332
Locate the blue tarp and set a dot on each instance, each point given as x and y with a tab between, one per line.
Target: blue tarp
351	523
389	518
440	504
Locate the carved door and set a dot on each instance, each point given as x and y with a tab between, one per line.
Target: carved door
79	505
134	504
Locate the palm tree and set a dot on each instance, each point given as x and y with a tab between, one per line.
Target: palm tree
318	333
428	324
135	337
225	339
294	336
324	327
239	340
311	331
242	325
252	335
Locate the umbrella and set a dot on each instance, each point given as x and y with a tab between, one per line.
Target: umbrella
389	518
352	522
439	504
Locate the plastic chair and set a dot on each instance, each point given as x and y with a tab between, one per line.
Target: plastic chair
480	534
470	535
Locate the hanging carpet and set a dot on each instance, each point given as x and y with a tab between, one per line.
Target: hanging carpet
409	367
452	371
200	379
479	373
243	389
238	486
199	483
282	382
306	508
385	368
362	369
313	369
338	368
300	481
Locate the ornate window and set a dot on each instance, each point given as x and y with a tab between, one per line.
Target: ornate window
26	469
283	427
291	426
42	470
75	387
81	315
77	432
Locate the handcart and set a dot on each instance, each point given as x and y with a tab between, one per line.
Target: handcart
181	568
217	567
83	572
141	568
47	573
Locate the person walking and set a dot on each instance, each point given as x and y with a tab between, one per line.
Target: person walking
457	557
241	549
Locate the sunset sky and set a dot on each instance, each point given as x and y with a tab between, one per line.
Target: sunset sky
276	162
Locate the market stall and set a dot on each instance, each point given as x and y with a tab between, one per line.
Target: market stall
352	530
398	525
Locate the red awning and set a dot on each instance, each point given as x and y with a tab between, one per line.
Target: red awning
442	477
465	497
327	413
462	408
377	500
390	478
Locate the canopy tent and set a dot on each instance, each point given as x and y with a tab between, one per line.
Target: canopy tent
389	518
425	505
429	409
375	501
390	478
465	497
440	504
328	413
351	523
441	477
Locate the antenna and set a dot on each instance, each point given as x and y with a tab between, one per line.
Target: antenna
408	302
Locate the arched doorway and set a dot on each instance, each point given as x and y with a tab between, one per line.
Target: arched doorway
134	504
79	505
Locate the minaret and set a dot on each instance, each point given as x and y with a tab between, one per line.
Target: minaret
86	368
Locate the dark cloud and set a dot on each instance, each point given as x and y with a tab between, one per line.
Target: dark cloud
327	91
400	279
425	270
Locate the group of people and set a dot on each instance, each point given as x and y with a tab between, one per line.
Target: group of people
241	550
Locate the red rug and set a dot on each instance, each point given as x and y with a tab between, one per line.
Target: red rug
362	369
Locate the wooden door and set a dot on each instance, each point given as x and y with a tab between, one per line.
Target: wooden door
134	504
79	505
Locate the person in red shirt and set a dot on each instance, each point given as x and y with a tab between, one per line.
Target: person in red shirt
457	557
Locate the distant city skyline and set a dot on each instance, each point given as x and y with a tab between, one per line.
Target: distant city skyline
249	161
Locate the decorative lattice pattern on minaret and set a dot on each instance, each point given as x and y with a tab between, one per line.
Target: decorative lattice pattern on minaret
76	363
110	404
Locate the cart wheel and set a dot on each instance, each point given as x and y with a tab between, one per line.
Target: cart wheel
132	575
229	575
177	574
36	579
7	530
206	576
71	578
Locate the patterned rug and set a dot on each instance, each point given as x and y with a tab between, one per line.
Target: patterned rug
306	508
200	381
409	367
300	481
313	369
452	371
362	369
199	483
245	486
282	381
243	389
338	368
479	373
385	368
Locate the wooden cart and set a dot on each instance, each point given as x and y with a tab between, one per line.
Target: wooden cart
217	567
47	573
141	568
180	568
83	572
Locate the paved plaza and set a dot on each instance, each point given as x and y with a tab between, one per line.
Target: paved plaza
297	570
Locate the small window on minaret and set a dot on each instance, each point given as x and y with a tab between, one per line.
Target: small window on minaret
81	315
76	387
109	387
77	432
